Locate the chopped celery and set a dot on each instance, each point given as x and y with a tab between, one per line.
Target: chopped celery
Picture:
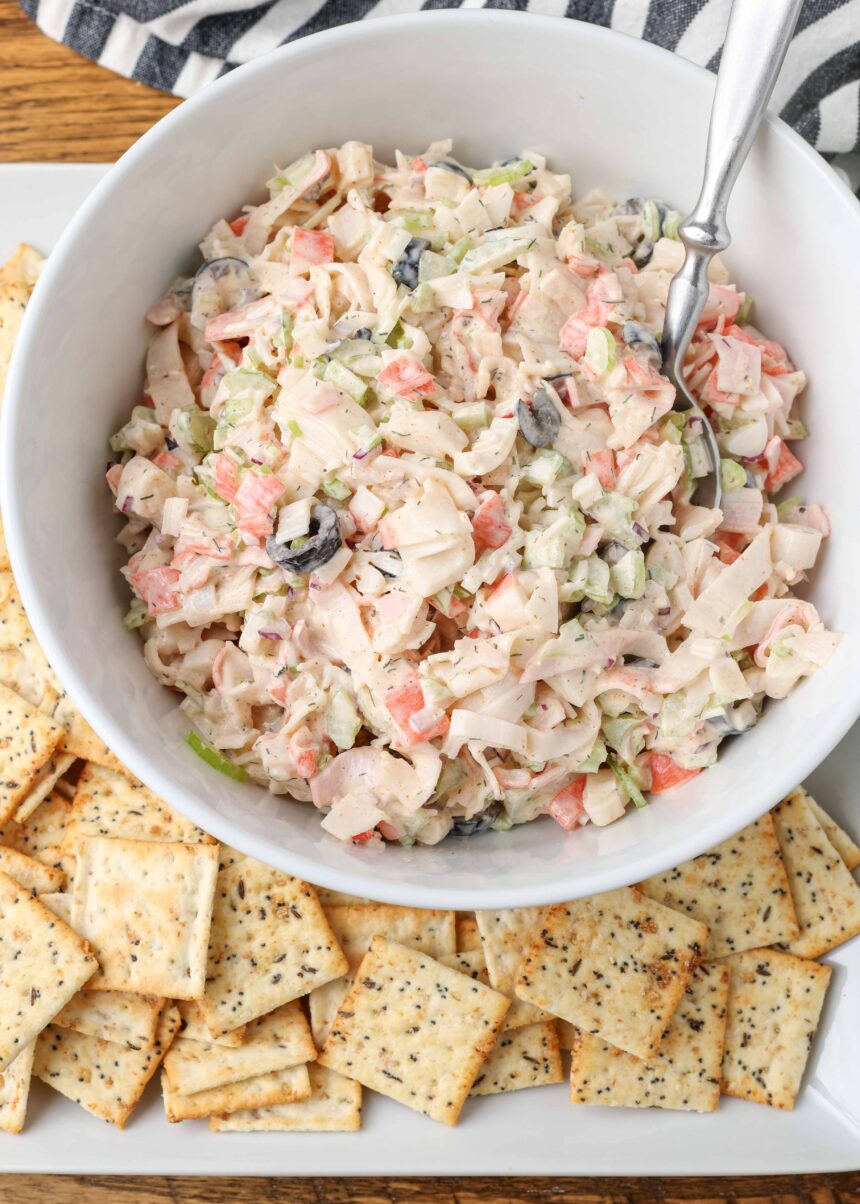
595	758
732	475
673	427
593	247
458	249
790	502
628	574
544	468
671	222
294	428
504	173
495	253
346	380
294	174
236	409
342	720
435	692
142	433
432	266
627	783
797	429
284	337
336	489
399	337
242	380
471	416
193	429
591	579
600	350
745	310
136	616
652	220
214	758
423	300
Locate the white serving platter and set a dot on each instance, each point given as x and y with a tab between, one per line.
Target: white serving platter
535	1132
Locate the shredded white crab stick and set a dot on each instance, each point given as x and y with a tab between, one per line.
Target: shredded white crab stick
410	516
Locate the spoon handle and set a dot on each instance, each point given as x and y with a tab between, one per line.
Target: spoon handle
757	38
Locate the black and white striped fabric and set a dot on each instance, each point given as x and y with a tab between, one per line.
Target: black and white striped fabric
181	45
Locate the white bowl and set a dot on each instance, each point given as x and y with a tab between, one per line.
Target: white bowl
614	112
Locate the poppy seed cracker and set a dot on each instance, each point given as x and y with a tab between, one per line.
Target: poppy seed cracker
146	907
775	1002
42	964
270	943
684	1074
739	889
334	1106
106	1079
826	897
615	965
414	1030
275	1042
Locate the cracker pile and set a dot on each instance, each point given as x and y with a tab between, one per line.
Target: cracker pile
131	942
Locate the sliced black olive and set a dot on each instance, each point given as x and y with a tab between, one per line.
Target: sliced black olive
405	271
635	334
449	165
363	333
477	823
632	205
642	252
322	543
170	444
539	420
222	284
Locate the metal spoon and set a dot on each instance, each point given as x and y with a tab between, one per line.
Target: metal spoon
757	38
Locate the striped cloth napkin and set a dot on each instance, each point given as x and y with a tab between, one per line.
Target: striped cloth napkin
181	45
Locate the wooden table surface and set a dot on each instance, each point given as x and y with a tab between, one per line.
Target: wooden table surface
59	107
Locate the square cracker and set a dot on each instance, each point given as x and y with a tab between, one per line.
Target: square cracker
116	1016
685	1074
739	889
334	1106
35	877
414	1030
826	897
15	1090
355	925
112	804
274	1042
474	964
270	943
288	1086
106	1079
27	741
60	903
775	1000
23	266
506	937
43	783
13	301
528	1056
41	835
42	964
146	907
468	936
194	1027
847	848
615	965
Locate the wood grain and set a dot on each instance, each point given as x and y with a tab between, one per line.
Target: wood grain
798	1189
56	106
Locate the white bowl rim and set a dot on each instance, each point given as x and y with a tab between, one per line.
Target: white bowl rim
225	829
